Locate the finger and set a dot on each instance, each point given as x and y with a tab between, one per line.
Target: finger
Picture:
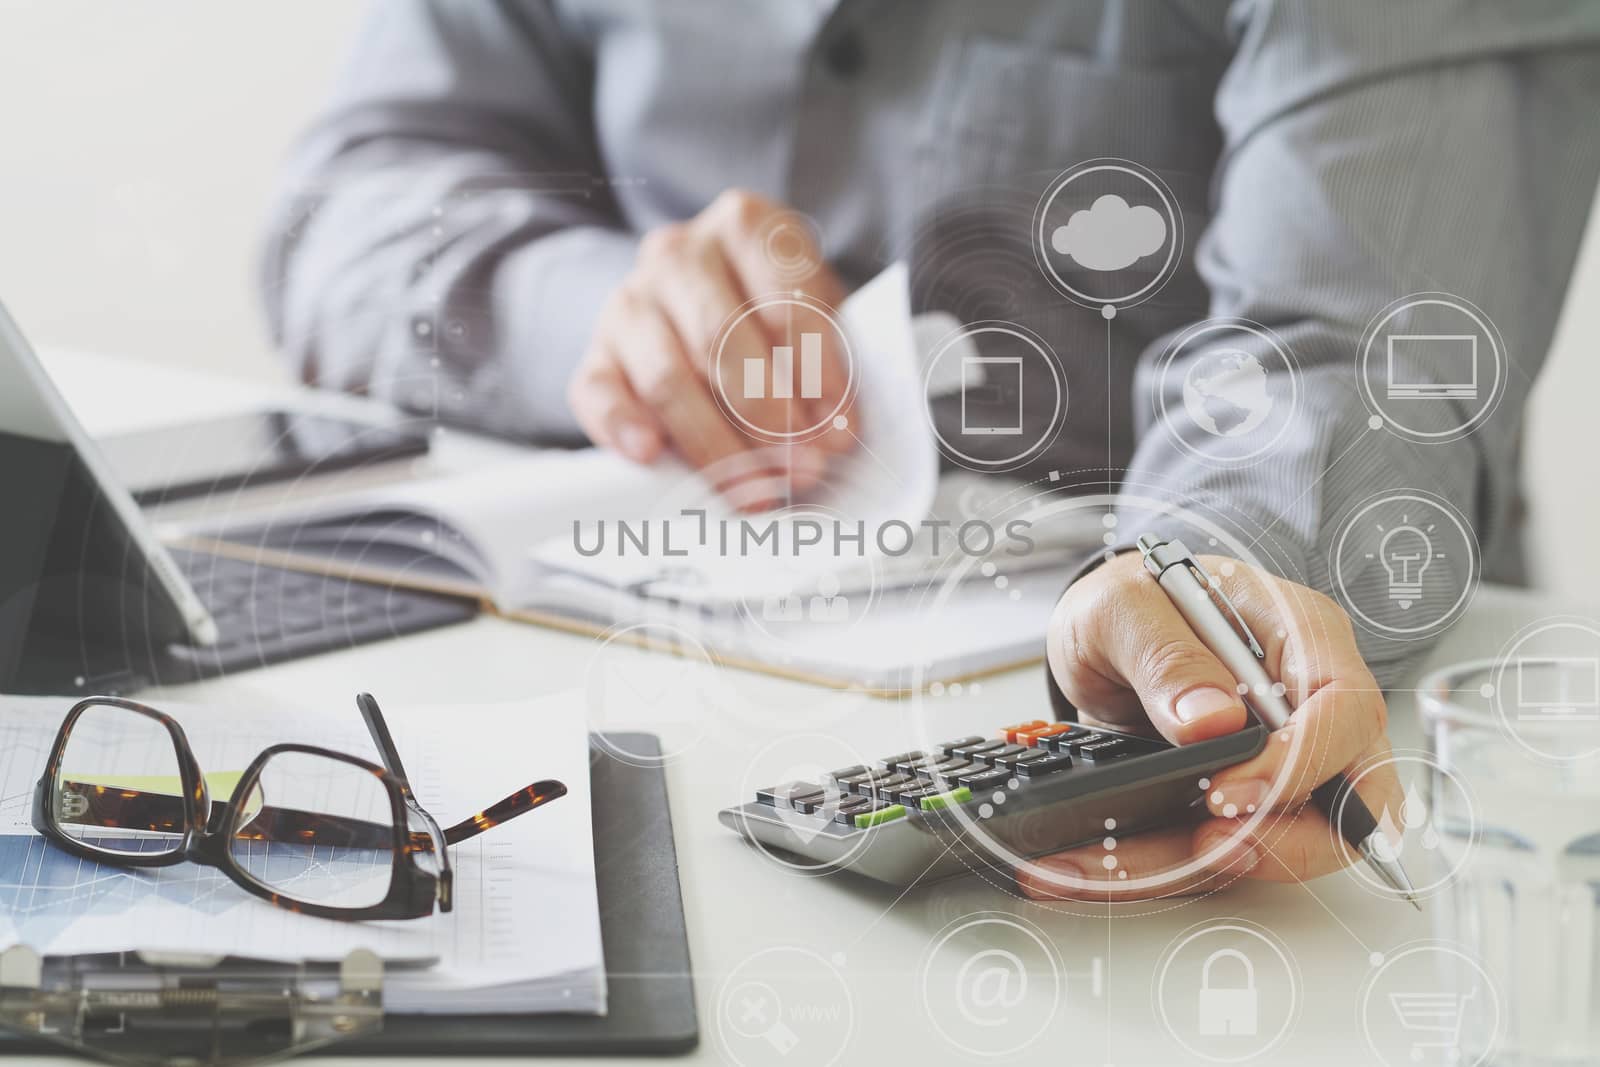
1326	734
757	478
701	296
659	373
609	412
1167	856
1122	630
1304	845
742	221
1339	710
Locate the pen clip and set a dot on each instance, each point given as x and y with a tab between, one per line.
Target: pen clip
1215	589
1159	555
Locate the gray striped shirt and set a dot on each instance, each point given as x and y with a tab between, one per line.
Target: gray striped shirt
452	224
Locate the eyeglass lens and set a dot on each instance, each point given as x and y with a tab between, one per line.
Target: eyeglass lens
316	830
118	789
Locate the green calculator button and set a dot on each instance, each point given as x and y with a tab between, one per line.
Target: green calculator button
944	800
882	815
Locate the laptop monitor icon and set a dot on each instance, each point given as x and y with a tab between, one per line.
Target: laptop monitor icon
1433	366
991	396
1565	689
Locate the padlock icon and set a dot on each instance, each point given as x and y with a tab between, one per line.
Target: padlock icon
1228	1010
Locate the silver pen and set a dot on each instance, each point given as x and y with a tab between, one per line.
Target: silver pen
1195	595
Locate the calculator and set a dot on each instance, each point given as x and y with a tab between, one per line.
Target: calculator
1029	790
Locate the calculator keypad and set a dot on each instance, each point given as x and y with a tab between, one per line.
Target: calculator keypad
952	772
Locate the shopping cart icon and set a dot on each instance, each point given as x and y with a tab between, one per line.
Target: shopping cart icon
1439	1016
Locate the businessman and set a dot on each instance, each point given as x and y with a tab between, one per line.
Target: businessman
539	214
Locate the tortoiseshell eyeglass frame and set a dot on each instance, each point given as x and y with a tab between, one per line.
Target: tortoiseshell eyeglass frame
208	826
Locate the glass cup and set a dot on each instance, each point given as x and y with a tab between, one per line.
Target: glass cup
1520	910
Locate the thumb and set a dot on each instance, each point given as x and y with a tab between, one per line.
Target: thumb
1186	691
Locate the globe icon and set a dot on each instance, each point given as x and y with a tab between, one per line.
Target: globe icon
1225	393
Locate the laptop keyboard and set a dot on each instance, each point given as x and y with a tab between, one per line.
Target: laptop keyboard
270	614
964	770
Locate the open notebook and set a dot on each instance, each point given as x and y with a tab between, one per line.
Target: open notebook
524	935
590	541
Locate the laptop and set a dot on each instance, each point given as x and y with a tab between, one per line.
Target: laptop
90	597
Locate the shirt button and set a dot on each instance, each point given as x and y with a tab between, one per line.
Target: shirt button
845	55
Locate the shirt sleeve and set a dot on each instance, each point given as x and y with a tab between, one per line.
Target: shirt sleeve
446	237
1434	146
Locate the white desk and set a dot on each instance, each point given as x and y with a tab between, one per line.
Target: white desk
743	907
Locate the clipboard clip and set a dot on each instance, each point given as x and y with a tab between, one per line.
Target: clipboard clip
136	1011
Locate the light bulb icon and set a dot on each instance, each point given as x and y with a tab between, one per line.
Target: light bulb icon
1405	552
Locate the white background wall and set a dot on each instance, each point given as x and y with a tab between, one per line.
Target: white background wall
137	155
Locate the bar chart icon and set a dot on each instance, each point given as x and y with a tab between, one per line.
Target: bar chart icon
782	364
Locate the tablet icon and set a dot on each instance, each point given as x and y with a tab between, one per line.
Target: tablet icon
991	395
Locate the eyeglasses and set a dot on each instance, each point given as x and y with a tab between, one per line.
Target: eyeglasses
309	829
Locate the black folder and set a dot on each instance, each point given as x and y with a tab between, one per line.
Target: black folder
650	994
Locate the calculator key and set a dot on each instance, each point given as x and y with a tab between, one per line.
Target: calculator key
948	747
911	796
819	804
786	795
1049	765
862	783
975	751
1031	737
847	772
1010	732
1106	748
1089	738
959	795
850	807
1027	755
882	815
885	788
920	766
896	762
948	769
1003	754
1037	738
1066	740
988	780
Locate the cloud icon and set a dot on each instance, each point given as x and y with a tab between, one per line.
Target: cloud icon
1110	235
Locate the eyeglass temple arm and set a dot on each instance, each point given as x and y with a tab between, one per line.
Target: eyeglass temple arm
134	809
519	803
379	729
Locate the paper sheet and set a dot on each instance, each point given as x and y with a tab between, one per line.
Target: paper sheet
526	919
891	475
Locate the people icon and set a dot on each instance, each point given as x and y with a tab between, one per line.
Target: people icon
828	605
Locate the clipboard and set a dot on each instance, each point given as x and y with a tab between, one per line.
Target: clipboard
650	999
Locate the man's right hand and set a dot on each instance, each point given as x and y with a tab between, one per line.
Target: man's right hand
644	386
